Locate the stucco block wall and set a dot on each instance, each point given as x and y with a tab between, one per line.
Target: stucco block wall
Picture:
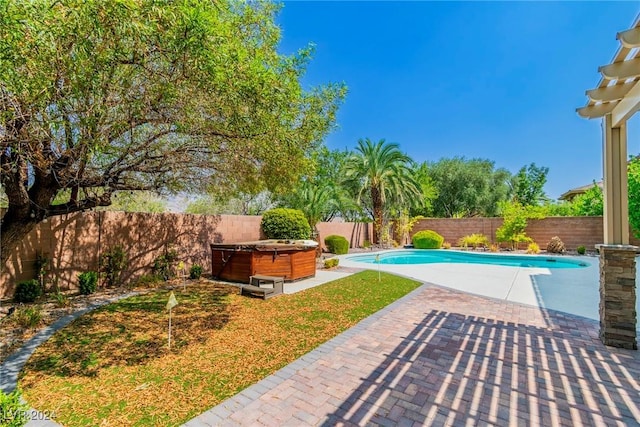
573	231
355	232
452	229
75	242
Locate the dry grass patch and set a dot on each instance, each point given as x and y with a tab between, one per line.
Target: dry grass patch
113	366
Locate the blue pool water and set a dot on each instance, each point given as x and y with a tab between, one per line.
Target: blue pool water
432	256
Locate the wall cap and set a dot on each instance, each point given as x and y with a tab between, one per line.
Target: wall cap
621	248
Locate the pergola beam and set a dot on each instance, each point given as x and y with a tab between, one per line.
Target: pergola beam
627	106
596	111
621	70
609	93
629	38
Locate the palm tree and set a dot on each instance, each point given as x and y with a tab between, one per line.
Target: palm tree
383	173
320	201
315	201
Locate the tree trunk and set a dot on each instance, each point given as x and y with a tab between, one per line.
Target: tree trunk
13	230
376	201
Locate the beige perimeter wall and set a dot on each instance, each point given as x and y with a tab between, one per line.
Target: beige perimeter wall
74	242
573	231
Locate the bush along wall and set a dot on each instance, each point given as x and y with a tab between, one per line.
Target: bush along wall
27	291
336	244
283	223
427	239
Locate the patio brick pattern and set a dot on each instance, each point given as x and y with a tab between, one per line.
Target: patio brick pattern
442	357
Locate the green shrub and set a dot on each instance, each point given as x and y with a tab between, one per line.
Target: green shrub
112	264
27	317
27	291
61	299
427	239
331	262
283	223
446	245
195	271
514	223
366	244
533	248
164	265
474	240
13	413
581	250
88	282
336	244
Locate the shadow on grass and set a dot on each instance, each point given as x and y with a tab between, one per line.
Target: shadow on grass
133	331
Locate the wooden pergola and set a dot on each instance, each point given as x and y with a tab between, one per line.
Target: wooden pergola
615	100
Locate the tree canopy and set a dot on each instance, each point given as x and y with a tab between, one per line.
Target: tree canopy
323	193
101	96
589	203
467	187
634	195
137	201
236	204
528	185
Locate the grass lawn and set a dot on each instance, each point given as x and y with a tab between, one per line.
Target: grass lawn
113	366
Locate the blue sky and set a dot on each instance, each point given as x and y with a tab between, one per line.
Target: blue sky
495	80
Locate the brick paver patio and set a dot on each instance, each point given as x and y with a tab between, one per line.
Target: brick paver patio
442	357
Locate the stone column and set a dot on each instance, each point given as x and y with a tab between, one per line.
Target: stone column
618	295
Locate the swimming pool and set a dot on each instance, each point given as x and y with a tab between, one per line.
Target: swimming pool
433	256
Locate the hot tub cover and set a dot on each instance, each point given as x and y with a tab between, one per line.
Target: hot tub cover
268	245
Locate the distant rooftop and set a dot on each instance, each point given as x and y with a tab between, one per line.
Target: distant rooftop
571	194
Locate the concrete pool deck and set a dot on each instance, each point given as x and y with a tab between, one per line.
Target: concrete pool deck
572	290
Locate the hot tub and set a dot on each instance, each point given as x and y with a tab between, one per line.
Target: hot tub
291	259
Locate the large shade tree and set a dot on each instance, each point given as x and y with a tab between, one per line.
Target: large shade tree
383	175
528	185
428	187
467	187
101	96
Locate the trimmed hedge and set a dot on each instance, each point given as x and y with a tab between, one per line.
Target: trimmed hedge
88	282
27	291
427	239
337	244
331	262
283	223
